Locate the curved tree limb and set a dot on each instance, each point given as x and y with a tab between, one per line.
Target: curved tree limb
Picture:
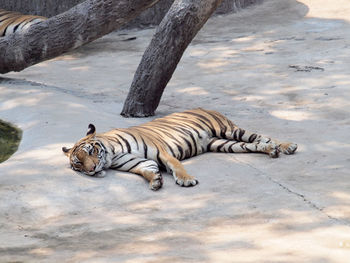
176	31
80	25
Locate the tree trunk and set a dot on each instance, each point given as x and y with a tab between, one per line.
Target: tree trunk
176	31
79	25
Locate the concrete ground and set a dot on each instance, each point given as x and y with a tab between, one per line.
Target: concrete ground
280	68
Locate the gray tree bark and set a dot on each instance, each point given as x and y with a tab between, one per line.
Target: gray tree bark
79	25
176	31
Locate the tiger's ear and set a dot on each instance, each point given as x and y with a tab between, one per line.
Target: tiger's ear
66	151
91	130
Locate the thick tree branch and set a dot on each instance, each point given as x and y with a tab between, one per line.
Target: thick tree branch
79	25
176	31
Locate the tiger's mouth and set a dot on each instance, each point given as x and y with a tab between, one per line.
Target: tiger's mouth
99	167
101	162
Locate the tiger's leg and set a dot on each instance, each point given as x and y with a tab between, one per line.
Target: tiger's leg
224	128
147	168
241	135
179	173
230	146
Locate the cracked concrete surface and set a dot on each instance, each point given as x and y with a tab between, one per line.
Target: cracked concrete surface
279	68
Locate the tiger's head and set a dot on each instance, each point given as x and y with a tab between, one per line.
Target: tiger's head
88	155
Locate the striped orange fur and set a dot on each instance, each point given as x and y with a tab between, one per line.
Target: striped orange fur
12	22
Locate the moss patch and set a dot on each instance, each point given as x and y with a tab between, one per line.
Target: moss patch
10	138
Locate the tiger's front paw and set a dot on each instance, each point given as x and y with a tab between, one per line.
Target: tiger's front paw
187	181
288	148
156	183
100	174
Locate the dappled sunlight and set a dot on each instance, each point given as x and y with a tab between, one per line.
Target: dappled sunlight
292	115
46	153
43	65
340	211
77	105
246	39
212	65
261	240
81	68
333	146
193	91
42	251
196	52
26	102
66	57
141	248
342	196
328	10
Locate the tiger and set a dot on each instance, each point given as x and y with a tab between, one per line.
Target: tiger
163	142
11	22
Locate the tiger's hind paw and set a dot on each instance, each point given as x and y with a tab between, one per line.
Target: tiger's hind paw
274	152
288	148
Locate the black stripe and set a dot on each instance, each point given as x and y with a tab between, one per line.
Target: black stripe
189	146
207	122
234	136
115	158
181	151
160	127
137	144
187	120
195	144
4	34
153	130
221	145
126	143
9	17
209	144
144	148
16	27
171	149
161	164
230	150
142	161
241	133
252	137
223	127
119	166
189	132
114	139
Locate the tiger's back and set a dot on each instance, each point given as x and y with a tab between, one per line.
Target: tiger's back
12	22
184	134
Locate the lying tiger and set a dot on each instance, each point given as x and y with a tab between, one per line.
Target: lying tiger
11	22
161	143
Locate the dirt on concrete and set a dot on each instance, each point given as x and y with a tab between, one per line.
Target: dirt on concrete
280	68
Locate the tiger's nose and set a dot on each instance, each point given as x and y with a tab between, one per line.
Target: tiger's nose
93	168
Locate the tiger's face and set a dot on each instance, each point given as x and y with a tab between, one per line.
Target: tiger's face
87	155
